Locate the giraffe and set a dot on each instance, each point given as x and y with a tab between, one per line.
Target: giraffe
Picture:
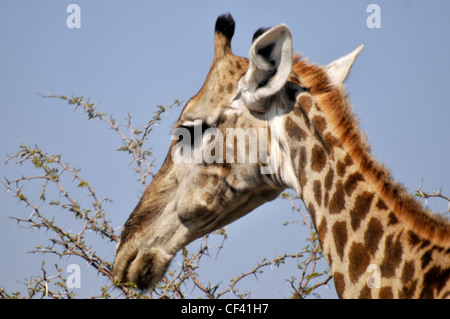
367	223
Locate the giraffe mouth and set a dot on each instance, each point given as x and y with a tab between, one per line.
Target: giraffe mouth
141	268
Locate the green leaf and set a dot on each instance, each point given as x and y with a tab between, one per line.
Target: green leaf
82	184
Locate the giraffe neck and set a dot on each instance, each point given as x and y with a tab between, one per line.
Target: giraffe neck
371	251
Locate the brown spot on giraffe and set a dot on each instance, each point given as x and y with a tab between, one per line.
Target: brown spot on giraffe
322	230
381	205
328	185
331	142
351	182
319	123
408	290
392	219
312	212
329	179
427	257
366	293
360	209
302	160
339	283
392	257
301	113
386	293
434	281
413	239
317	189
294	131
318	158
359	261
408	272
342	165
305	102
425	244
373	235
337	202
340	237
340	168
326	199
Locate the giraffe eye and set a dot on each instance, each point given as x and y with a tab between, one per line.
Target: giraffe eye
196	130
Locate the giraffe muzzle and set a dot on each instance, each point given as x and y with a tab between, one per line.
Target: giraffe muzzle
141	268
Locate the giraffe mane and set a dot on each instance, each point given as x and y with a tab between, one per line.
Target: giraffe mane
336	106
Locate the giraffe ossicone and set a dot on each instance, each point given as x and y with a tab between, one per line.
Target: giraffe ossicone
270	122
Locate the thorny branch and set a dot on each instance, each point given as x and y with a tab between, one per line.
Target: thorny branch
308	266
436	194
53	175
133	141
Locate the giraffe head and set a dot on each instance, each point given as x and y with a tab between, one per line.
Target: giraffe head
226	156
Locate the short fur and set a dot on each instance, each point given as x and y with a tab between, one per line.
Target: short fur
335	104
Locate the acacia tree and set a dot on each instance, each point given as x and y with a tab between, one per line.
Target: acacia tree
63	186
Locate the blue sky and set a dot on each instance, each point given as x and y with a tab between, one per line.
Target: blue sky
132	56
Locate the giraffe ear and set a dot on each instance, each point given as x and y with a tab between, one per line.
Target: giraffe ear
338	70
270	66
